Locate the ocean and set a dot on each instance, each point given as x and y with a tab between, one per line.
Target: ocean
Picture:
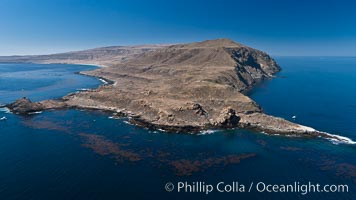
81	154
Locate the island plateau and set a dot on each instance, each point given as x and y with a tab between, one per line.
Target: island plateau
181	88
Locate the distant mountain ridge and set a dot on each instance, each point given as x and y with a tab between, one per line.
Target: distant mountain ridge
99	56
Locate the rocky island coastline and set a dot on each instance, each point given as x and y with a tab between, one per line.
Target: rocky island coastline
181	88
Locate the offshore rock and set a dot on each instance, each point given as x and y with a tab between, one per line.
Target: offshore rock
26	106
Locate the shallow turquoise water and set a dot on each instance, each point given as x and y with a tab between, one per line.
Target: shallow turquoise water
74	154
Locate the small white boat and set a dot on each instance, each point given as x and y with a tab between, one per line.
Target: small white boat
294	117
3	118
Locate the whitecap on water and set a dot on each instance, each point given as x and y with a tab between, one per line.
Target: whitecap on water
34	113
127	122
114	117
159	129
207	132
5	110
338	139
103	81
83	89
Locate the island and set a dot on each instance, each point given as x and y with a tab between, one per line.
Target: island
177	88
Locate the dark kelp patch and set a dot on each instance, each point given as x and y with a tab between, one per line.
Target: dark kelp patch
330	164
290	148
185	167
46	124
261	142
344	170
104	147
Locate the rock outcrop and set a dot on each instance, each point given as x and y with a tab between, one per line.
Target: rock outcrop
26	106
227	118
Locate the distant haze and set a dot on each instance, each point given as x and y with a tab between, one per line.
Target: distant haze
311	28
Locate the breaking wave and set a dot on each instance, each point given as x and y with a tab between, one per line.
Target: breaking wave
338	139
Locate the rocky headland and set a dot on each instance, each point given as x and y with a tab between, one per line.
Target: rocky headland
185	87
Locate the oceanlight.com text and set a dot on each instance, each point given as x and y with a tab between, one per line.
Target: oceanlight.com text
260	187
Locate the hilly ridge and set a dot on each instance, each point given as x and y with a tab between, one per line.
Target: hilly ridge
219	61
103	56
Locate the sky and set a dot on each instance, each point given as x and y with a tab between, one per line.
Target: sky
278	27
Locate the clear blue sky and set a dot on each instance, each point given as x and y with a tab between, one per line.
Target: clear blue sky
279	27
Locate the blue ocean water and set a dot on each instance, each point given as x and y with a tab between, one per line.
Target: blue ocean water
78	154
319	91
41	81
